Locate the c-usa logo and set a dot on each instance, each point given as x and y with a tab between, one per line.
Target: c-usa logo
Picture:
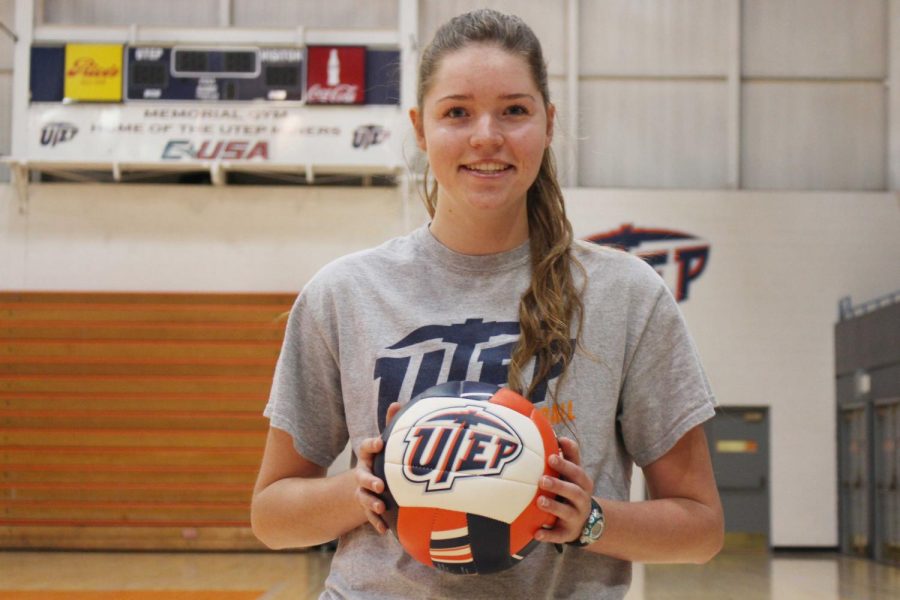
456	442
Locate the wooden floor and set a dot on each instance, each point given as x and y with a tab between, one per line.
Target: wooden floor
275	576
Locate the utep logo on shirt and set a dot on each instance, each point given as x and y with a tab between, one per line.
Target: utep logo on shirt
662	248
438	451
475	350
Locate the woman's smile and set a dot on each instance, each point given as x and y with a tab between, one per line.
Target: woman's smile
488	169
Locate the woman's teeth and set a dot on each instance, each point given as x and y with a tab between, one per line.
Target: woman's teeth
487	167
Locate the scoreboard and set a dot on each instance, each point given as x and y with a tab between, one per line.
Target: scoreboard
211	74
179	73
316	108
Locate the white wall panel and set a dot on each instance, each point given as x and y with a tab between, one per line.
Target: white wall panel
7	16
5	111
814	136
6	64
332	14
815	38
649	37
653	134
894	98
186	238
546	17
5	121
173	13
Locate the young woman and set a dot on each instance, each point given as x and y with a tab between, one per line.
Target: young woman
493	289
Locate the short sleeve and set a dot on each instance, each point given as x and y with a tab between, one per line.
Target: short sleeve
306	399
665	392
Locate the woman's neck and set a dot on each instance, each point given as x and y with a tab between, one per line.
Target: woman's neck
482	234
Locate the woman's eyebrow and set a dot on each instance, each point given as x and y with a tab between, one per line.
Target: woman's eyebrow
516	96
456	97
459	97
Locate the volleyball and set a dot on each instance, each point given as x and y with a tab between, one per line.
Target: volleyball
461	465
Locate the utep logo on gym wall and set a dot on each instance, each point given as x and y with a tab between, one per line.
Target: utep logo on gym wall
57	133
438	451
678	257
369	135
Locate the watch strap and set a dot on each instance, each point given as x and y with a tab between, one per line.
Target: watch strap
593	526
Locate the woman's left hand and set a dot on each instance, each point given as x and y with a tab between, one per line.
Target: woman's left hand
573	489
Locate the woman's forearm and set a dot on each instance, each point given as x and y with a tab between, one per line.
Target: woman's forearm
673	530
297	512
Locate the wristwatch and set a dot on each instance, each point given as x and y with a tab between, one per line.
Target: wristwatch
593	526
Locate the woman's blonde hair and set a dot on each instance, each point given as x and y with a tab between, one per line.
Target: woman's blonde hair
552	302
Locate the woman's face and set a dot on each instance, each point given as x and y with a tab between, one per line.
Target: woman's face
484	126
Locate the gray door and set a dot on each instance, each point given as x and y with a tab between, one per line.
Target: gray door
887	480
739	447
854	479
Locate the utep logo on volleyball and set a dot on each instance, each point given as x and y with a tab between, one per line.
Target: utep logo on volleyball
457	442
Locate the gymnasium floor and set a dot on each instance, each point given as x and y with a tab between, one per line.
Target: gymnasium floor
276	576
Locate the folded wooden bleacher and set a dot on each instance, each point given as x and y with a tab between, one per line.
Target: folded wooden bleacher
133	420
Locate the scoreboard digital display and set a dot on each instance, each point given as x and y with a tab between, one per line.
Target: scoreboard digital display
190	73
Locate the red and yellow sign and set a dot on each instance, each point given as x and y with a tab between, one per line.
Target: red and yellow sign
737	446
93	72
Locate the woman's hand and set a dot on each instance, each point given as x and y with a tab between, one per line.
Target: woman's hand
573	489
370	486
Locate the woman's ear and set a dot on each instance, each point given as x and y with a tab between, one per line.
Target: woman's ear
416	120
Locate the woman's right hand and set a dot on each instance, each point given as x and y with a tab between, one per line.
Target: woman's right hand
369	486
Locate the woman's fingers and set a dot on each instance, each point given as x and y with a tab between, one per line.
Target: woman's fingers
569	465
373	507
568	496
391	411
366	455
370	486
569	503
570	450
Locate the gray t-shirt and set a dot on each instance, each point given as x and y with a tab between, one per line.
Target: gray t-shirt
382	325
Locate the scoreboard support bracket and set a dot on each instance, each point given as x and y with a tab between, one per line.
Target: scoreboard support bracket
19	172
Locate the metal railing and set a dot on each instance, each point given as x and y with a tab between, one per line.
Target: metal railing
846	310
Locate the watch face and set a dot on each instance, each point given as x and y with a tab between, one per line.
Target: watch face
596	530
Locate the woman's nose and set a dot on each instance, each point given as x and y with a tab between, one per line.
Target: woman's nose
486	132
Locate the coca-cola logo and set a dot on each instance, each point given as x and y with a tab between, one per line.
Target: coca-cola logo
88	67
343	93
336	75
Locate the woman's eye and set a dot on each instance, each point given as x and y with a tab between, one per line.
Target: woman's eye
517	109
456	112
